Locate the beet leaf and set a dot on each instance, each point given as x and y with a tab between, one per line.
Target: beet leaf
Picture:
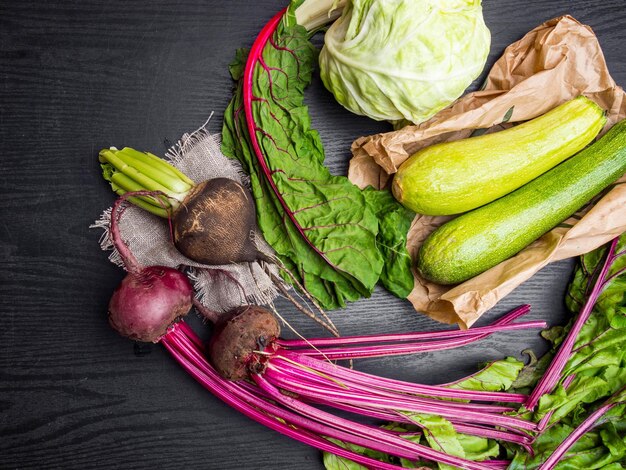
602	447
495	376
322	226
335	462
441	435
394	224
592	370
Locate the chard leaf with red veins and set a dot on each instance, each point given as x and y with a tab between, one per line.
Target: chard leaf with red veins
322	226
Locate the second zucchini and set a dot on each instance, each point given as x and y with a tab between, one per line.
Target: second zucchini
480	239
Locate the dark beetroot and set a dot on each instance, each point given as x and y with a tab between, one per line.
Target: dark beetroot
146	303
236	338
214	223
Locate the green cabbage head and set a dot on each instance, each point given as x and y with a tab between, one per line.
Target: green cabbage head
404	59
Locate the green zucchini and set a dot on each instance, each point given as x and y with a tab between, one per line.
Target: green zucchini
478	240
455	177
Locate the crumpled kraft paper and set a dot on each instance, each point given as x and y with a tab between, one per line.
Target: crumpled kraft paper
553	63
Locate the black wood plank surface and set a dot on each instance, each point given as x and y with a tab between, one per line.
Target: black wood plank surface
79	76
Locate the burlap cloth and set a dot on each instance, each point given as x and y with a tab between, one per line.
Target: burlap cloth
220	288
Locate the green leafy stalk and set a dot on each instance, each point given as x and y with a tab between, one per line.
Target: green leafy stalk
602	414
129	170
598	366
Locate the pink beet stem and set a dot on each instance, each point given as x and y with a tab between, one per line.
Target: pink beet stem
394	415
340	373
498	464
449	410
490	433
412	450
302	377
387	350
464	428
503	324
192	336
257	408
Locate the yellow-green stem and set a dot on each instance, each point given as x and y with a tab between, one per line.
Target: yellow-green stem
129	170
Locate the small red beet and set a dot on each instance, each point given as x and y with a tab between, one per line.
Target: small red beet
148	301
236	337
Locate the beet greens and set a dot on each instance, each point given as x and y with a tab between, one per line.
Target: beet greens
603	274
579	393
614	407
340	240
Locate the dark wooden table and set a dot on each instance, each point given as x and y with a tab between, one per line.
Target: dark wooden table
79	76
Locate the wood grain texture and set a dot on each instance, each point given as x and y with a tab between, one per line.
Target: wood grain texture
79	76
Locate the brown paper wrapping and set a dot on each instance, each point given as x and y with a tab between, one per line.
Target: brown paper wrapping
553	63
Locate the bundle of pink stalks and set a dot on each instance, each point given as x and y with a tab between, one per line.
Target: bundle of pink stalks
290	379
598	281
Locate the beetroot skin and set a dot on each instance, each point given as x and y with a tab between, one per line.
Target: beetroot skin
245	330
148	301
214	223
